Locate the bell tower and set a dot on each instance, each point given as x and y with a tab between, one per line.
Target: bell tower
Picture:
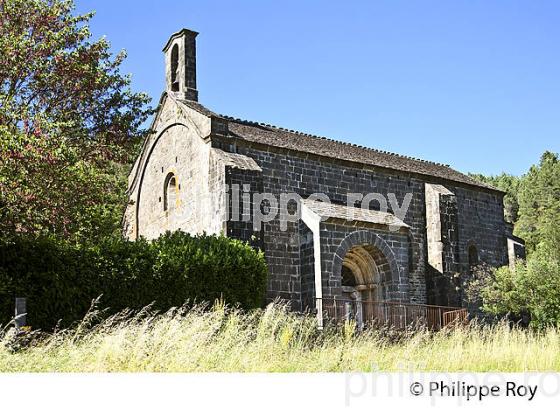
180	65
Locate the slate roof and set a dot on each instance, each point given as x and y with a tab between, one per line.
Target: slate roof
298	141
327	210
237	160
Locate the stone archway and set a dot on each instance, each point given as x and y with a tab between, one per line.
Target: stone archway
368	269
379	250
360	272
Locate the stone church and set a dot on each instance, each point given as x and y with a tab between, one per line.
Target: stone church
196	165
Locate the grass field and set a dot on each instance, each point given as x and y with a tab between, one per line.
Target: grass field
273	340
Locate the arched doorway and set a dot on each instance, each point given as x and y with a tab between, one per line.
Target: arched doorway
369	275
364	272
361	282
360	271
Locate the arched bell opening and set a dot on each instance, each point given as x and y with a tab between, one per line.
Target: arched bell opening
175	68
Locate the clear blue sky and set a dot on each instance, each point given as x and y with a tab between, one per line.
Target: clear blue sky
474	84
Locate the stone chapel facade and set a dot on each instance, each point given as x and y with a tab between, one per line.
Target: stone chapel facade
453	222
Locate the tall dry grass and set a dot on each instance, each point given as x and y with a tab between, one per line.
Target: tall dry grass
273	340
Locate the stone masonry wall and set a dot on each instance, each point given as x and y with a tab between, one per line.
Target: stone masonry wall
307	261
332	235
239	221
479	213
177	146
481	222
284	171
443	246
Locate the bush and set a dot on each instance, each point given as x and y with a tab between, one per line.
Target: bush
533	287
60	279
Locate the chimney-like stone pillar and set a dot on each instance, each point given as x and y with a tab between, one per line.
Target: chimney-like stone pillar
180	65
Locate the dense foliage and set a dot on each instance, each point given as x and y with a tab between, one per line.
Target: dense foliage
532	287
60	279
70	126
69	123
539	207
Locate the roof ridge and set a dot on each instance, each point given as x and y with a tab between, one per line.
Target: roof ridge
365	155
262	124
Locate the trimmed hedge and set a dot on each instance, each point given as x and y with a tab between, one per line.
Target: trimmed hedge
60	280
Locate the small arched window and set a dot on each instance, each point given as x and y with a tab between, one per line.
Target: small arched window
473	257
170	193
175	68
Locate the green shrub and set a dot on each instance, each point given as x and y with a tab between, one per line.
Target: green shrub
533	287
60	280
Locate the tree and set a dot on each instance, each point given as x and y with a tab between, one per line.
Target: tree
69	122
539	206
533	287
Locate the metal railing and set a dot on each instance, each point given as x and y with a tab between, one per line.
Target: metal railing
393	314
